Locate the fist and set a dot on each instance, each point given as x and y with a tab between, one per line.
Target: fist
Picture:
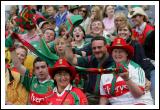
124	75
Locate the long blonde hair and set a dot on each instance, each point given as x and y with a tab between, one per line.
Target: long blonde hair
98	12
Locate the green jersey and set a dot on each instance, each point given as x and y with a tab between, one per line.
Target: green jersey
38	91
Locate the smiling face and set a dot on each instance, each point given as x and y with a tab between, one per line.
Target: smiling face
50	10
99	49
49	35
78	34
97	27
124	32
62	8
137	20
119	22
83	12
41	70
62	78
93	12
119	55
21	54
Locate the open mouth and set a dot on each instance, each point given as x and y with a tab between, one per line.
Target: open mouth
60	50
77	36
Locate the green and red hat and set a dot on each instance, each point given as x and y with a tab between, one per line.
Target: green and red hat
73	7
73	21
62	64
120	43
26	19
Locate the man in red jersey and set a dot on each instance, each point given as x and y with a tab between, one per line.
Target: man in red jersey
142	29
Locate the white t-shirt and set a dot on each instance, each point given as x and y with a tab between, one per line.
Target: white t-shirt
122	94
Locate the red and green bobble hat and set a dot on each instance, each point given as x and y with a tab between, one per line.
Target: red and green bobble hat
25	19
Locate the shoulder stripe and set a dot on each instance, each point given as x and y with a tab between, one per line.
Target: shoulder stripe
135	65
141	75
76	98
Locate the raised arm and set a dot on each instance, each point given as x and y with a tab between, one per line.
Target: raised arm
9	42
69	54
17	64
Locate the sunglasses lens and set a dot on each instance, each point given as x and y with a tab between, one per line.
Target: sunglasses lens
83	11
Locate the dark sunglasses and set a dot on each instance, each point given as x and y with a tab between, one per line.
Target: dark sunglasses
83	11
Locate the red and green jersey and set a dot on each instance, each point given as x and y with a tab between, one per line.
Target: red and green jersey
70	96
39	91
144	35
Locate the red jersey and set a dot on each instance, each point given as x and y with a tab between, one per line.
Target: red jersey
142	37
70	96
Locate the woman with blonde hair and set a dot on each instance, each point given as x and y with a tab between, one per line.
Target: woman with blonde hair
120	19
96	14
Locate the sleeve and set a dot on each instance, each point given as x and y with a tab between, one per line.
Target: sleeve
22	97
141	59
139	52
83	99
138	77
102	92
26	80
9	41
82	61
87	48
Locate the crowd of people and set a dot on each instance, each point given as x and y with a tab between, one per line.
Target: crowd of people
79	55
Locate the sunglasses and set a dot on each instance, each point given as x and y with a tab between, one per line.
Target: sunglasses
84	11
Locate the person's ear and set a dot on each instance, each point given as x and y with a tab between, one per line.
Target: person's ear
54	78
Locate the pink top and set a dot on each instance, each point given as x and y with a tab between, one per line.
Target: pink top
109	25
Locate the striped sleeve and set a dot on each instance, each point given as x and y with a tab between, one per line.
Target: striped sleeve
79	97
139	77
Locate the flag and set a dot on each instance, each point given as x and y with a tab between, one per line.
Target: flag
26	19
40	48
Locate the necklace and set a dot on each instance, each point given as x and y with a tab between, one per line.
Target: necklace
68	91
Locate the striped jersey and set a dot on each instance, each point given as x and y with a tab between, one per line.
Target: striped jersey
70	96
38	91
122	94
